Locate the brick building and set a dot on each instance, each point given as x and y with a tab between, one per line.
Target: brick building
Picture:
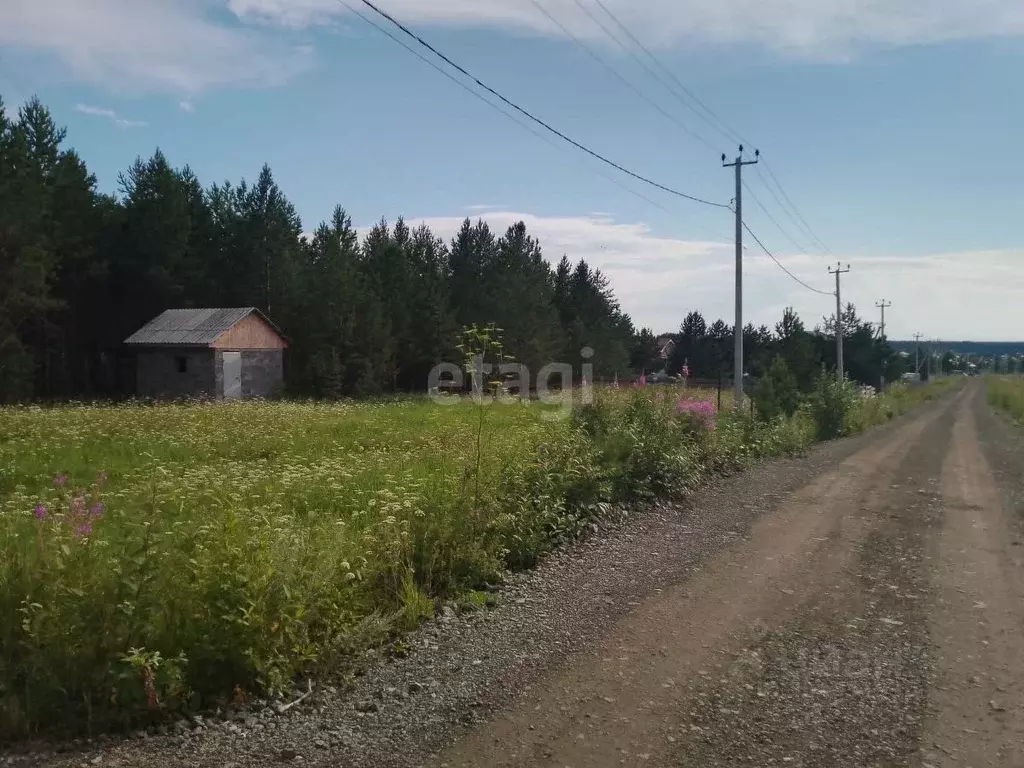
223	353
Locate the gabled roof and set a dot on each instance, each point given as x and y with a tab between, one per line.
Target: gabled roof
192	327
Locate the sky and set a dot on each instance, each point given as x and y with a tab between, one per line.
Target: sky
893	127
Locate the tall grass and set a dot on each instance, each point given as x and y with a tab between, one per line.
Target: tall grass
161	558
1007	393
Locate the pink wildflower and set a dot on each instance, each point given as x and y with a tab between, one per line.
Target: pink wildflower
41	512
702	414
60	480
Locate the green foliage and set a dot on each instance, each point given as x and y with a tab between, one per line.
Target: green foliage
831	404
776	393
1007	394
220	567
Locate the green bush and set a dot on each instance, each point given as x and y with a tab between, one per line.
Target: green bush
776	393
831	405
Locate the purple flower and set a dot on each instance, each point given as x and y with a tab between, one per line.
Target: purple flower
97	509
60	480
700	412
41	512
84	529
78	506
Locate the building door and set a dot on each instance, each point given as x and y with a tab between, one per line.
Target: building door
232	374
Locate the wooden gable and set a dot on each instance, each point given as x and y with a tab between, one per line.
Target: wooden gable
251	332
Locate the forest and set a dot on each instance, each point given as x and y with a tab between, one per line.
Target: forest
81	269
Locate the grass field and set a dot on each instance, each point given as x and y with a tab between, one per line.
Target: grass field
162	558
1007	393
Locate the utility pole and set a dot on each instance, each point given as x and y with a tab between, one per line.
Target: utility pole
917	354
882	305
839	319
737	383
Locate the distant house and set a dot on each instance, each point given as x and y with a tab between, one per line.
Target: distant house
666	344
229	353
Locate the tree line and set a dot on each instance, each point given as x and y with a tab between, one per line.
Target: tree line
80	270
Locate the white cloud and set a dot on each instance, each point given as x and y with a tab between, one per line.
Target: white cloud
828	28
190	46
187	106
111	115
171	45
659	279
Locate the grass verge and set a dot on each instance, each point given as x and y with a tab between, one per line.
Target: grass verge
169	558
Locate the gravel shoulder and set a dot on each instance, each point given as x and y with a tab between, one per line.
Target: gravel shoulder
654	642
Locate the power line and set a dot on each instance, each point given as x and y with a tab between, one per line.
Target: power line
780	265
533	117
722	127
803	230
510	115
611	35
725	130
568	33
774	221
807	227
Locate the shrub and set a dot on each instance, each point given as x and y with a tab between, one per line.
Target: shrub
776	393
831	404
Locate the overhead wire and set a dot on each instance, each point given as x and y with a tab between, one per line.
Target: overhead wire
774	221
542	136
807	227
533	117
722	126
618	75
782	266
614	38
716	123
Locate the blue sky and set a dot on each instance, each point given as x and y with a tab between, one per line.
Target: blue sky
893	125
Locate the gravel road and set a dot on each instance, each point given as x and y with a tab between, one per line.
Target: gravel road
862	606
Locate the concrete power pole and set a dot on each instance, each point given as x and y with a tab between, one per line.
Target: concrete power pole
882	305
881	334
917	353
839	319
737	384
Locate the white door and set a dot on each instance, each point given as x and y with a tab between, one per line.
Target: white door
232	374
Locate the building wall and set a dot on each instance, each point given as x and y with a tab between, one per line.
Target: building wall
262	372
157	373
251	332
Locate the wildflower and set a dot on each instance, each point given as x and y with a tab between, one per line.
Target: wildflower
41	512
60	480
702	414
83	530
97	510
78	506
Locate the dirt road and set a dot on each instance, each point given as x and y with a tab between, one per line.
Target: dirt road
811	643
863	606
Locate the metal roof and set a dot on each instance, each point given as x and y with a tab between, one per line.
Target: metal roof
191	327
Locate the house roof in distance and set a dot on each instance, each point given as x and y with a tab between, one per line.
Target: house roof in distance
192	327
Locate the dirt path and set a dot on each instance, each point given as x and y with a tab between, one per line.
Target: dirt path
978	618
863	606
808	643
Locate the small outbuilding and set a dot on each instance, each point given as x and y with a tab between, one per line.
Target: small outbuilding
223	353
